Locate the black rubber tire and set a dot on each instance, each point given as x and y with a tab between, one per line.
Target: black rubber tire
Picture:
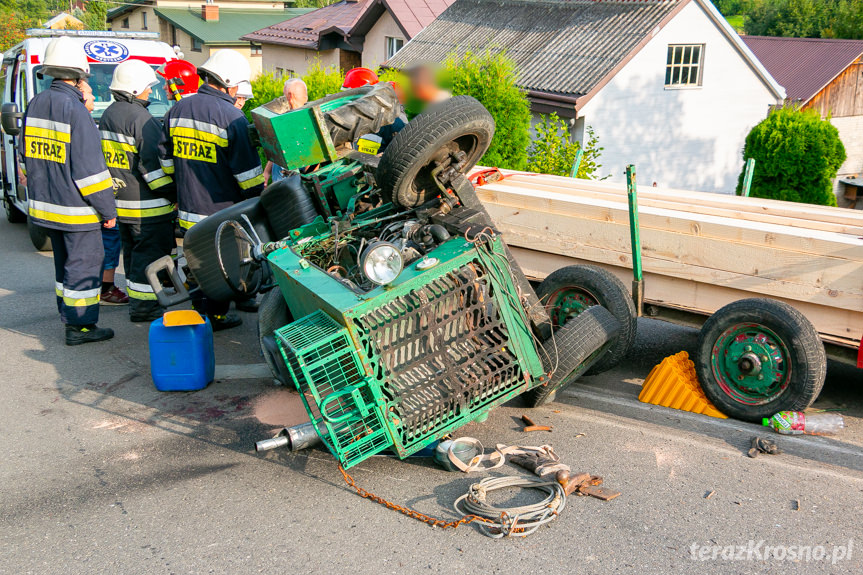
200	252
273	314
808	360
288	205
404	173
13	214
574	348
610	293
377	107
39	237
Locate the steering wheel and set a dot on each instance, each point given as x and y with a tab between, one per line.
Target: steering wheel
248	276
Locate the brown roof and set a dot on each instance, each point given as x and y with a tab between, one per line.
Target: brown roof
804	66
349	18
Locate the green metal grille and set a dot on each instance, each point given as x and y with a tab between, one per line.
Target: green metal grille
340	401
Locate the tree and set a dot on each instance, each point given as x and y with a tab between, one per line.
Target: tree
797	18
95	16
13	30
491	79
313	3
797	155
553	152
846	21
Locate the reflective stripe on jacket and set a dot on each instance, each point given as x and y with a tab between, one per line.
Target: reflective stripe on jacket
69	185
130	144
206	146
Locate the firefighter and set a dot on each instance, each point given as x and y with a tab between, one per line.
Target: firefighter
145	193
244	94
206	146
71	192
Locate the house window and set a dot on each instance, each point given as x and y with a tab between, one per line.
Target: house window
144	21
285	72
684	64
196	45
393	46
257	50
125	23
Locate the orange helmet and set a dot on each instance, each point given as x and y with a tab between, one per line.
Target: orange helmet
359	77
182	74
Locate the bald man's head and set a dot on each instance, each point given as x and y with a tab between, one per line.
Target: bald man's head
296	93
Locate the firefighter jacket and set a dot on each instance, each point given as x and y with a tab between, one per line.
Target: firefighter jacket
130	144
69	185
206	145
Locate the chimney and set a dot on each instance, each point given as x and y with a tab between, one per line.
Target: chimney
210	12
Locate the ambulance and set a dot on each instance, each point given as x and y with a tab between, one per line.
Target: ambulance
19	82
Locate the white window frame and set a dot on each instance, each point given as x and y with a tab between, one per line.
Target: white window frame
681	60
390	42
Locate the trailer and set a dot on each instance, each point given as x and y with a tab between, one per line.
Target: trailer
775	287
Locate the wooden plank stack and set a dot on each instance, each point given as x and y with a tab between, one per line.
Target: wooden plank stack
700	251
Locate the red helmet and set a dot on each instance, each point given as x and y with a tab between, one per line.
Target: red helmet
184	75
359	77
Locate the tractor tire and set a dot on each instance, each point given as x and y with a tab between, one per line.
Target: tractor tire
288	206
460	124
377	107
573	349
199	248
587	286
273	314
39	237
760	356
13	214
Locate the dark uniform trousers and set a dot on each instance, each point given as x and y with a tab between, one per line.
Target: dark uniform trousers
77	274
144	243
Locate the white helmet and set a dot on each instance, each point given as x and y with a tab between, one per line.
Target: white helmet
65	59
228	67
244	90
133	77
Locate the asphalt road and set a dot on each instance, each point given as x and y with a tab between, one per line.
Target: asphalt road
103	474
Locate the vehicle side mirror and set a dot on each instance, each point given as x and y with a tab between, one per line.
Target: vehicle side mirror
10	118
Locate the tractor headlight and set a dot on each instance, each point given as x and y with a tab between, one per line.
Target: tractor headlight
382	263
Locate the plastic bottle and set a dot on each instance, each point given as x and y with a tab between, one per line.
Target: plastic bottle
798	423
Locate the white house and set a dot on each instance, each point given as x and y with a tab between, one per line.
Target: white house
667	85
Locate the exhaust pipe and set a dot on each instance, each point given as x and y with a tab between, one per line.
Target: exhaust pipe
295	438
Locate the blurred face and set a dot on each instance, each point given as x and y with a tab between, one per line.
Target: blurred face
239	102
89	99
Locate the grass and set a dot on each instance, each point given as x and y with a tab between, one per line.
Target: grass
736	22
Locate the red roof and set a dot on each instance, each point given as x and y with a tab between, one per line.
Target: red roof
804	66
347	18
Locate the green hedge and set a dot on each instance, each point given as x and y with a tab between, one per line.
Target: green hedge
797	155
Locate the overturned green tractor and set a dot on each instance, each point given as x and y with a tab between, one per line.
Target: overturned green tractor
392	303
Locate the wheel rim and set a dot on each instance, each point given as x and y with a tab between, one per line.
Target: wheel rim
568	302
751	364
448	160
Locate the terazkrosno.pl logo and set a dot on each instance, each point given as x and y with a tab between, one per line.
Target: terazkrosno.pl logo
762	551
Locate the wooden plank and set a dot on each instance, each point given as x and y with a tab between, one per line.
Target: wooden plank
754	205
841	326
663	254
671	204
821	244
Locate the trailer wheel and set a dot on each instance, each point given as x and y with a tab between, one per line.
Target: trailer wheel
447	139
760	356
572	350
13	214
273	314
39	237
570	291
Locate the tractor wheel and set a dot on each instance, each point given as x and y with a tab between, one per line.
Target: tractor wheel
273	314
760	356
202	257
288	206
350	117
39	237
573	349
446	140
571	290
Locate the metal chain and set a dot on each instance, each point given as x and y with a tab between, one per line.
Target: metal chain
412	513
